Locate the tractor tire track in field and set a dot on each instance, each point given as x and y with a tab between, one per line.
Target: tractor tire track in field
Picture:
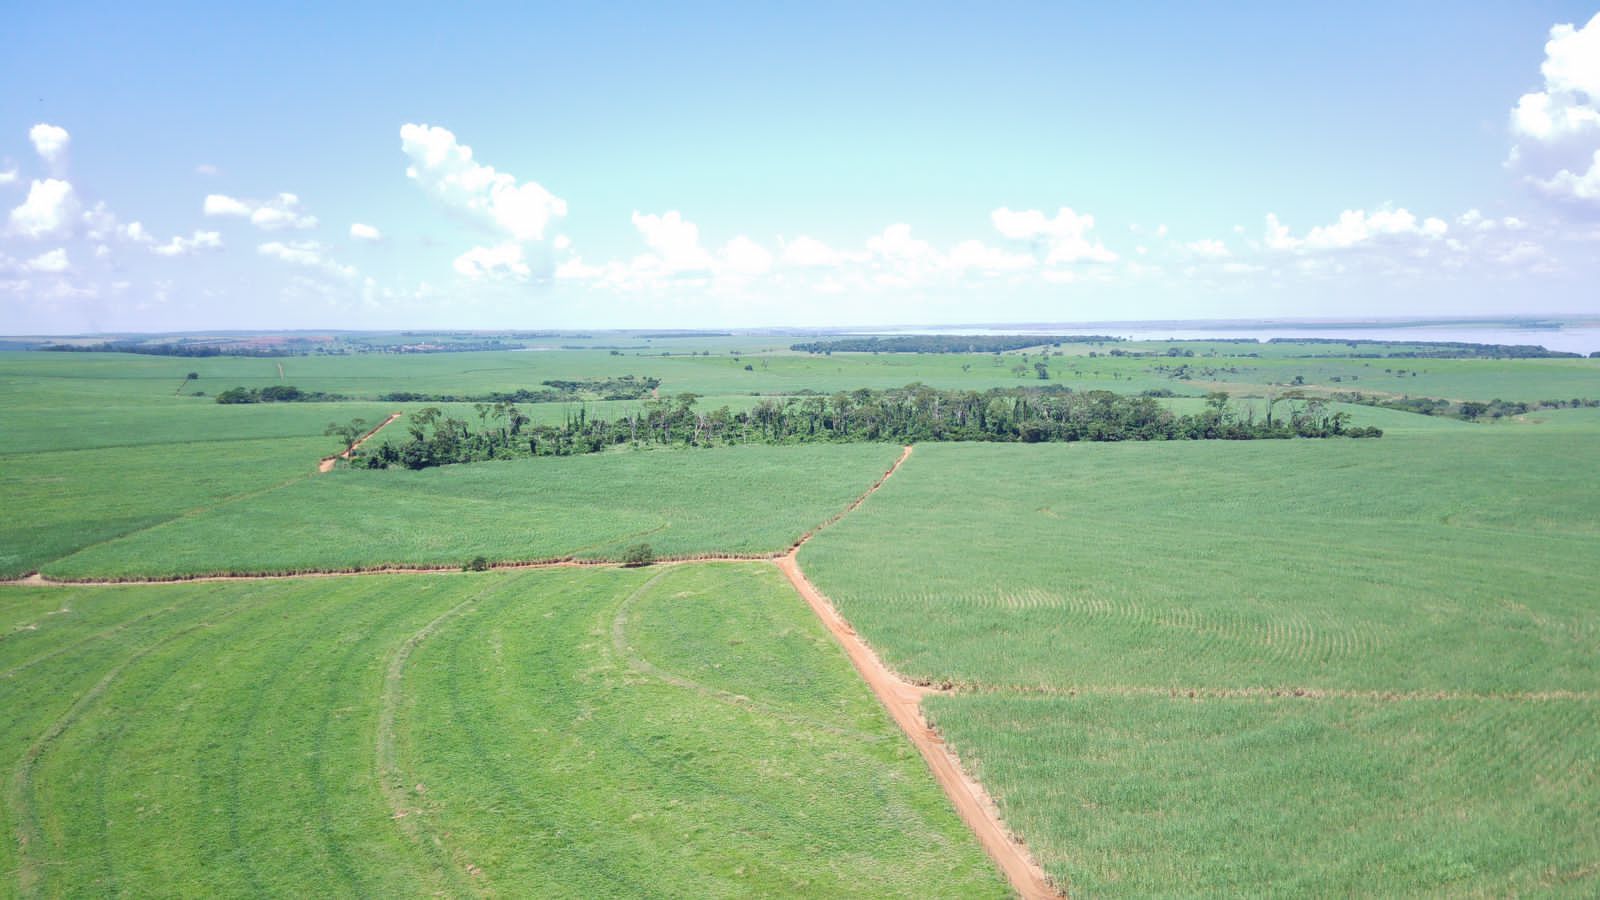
326	465
456	870
19	789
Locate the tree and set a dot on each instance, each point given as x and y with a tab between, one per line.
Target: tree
638	555
348	433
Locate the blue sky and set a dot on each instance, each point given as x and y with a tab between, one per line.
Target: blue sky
739	165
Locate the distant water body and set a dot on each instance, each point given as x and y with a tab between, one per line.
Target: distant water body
1583	337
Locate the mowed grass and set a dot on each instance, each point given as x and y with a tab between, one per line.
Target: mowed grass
1366	667
569	732
739	500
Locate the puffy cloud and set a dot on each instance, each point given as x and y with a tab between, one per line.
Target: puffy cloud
505	260
978	255
365	232
49	210
809	253
282	211
1355	227
1569	186
53	262
223	205
304	253
1065	237
742	257
8	176
445	167
1571	72
182	246
50	141
674	240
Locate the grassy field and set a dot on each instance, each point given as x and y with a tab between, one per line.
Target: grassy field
742	500
685	731
1172	655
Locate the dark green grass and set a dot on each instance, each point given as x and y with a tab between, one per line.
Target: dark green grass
1291	797
743	500
224	740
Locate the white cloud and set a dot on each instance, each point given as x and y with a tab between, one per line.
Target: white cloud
742	257
675	241
8	176
50	141
53	262
1355	227
446	168
1569	186
1065	237
223	205
562	242
48	210
1571	72
365	232
505	260
809	253
182	246
1209	248
977	255
282	211
304	253
206	169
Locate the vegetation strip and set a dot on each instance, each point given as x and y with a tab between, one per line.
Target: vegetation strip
1265	693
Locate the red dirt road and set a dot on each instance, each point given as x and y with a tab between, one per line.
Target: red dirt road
327	462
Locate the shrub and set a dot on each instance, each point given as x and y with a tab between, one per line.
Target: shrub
476	564
638	555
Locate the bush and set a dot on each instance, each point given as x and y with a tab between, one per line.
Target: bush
476	564
638	555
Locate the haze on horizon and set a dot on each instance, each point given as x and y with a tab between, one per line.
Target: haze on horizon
190	167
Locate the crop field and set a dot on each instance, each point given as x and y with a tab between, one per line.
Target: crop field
1160	659
738	500
557	733
1161	652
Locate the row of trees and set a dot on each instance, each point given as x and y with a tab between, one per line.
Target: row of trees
903	415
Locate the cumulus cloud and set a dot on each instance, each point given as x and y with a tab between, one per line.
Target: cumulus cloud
363	232
1558	128
980	256
223	205
674	240
8	176
304	253
743	257
185	246
48	211
1354	228
1064	238
809	253
53	262
502	261
445	167
282	211
50	141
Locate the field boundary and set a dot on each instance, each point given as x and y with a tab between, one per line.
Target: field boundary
1198	694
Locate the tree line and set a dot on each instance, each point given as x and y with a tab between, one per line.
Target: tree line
947	343
915	413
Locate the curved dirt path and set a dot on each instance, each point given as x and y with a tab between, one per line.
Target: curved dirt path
328	461
903	700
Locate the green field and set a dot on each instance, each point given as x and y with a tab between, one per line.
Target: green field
738	500
1169	656
577	732
1191	667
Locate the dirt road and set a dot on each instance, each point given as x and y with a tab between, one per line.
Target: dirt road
327	462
